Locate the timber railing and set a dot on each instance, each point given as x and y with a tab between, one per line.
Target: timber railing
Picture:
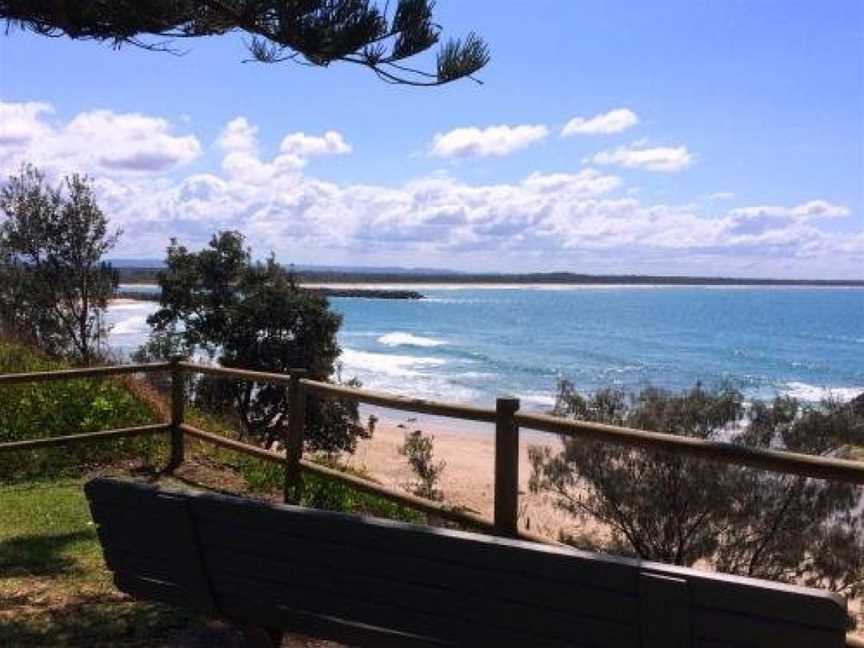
506	418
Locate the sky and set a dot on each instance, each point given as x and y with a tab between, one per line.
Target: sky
671	137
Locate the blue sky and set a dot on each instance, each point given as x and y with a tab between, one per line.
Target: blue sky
722	138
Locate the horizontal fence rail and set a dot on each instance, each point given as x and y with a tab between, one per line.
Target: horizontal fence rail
236	374
51	442
73	374
506	418
778	461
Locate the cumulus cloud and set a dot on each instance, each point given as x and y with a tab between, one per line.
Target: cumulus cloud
813	209
21	123
98	141
665	159
239	141
481	142
304	146
130	141
238	136
579	220
586	182
613	121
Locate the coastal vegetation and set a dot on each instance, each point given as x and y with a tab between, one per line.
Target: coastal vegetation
418	450
54	282
50	409
664	507
252	315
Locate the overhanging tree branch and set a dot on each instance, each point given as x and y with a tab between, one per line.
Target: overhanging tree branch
315	32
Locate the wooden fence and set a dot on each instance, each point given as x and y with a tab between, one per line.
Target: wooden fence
506	418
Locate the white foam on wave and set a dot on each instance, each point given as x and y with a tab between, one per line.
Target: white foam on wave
399	338
386	363
135	325
813	393
416	376
116	305
538	400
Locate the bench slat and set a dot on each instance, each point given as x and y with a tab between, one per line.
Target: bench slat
448	609
282	556
328	627
719	626
457	547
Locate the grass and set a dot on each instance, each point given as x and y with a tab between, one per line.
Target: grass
54	588
56	591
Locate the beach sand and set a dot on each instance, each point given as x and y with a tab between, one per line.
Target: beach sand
467	479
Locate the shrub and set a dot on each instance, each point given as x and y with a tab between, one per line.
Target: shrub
418	449
665	507
59	408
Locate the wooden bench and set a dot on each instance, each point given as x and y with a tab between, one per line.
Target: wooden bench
372	582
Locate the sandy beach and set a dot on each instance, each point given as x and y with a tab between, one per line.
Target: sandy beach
467	479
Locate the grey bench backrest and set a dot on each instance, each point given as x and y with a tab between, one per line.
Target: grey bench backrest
382	583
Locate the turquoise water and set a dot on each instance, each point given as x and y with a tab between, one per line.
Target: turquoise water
473	344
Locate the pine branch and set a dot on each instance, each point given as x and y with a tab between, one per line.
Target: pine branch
314	32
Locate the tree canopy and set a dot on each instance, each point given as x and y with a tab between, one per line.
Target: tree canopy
313	32
252	315
54	284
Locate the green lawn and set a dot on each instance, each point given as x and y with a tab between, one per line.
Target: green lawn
56	591
54	588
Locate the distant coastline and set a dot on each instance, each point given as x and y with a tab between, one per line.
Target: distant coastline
348	280
348	291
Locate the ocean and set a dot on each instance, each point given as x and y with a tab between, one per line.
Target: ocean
473	343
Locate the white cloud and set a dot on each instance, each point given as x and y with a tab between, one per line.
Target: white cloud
239	141
98	141
238	136
132	141
640	156
495	140
721	195
305	146
813	209
578	220
613	121
586	182
20	123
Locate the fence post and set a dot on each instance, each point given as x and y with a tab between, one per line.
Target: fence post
178	402
294	438
506	466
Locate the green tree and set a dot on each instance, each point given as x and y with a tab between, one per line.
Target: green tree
312	32
253	315
54	285
664	507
